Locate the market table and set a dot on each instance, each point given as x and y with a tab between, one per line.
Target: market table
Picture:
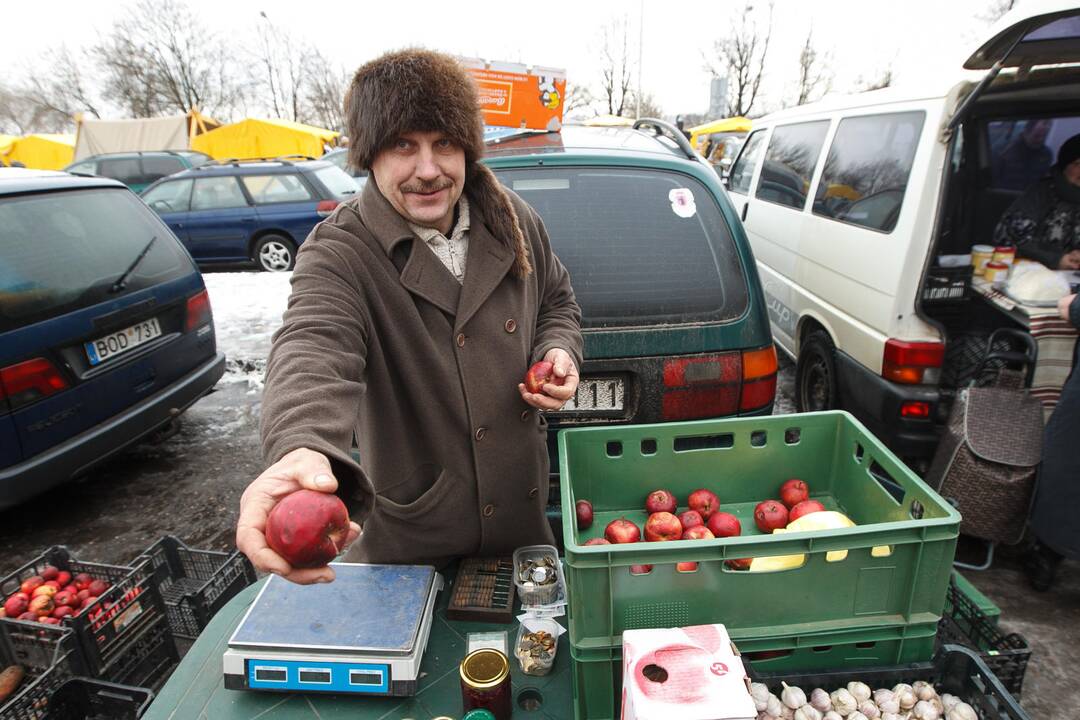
196	689
1054	337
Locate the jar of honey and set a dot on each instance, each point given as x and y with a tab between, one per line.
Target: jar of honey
996	272
1004	254
485	682
980	255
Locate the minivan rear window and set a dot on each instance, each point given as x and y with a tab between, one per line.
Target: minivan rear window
643	247
61	251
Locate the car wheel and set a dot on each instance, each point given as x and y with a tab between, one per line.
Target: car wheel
815	374
275	253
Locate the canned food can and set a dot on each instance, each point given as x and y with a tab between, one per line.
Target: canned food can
1004	254
980	255
485	682
996	272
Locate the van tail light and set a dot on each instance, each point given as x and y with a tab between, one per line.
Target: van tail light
326	207
912	363
701	386
198	311
758	378
29	381
915	409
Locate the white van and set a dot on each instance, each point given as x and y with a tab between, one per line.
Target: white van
849	201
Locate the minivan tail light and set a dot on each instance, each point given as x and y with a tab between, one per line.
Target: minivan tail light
758	378
29	381
912	363
701	386
326	207
198	311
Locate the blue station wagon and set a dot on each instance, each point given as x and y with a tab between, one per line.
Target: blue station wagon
241	211
106	332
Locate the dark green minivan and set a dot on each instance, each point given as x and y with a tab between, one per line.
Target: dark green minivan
674	318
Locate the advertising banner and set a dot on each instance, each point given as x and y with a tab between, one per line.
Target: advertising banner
519	96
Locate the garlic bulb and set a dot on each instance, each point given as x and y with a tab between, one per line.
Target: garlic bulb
890	705
882	695
886	716
760	693
820	700
906	697
856	716
773	706
938	705
843	702
962	711
860	691
832	715
807	712
948	702
900	687
793	697
787	713
923	710
923	690
869	709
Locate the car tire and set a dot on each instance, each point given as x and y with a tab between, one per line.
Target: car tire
815	374
274	253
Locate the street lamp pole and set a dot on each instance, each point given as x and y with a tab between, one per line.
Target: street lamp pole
640	44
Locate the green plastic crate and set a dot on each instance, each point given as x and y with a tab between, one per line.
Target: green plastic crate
597	674
745	461
985	604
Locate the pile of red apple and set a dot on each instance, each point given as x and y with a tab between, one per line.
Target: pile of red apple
703	520
53	595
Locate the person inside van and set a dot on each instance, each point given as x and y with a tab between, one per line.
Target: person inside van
1044	222
1026	159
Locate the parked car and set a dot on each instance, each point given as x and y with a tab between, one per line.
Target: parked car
674	319
340	157
259	210
106	332
138	169
848	203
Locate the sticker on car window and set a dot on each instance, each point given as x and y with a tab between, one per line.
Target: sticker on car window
682	202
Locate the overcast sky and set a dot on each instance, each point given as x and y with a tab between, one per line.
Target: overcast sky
862	37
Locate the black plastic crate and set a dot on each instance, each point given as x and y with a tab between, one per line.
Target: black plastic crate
148	659
963	623
947	284
131	602
954	670
47	653
88	699
195	584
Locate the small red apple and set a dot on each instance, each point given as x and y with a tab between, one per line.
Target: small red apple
66	598
32	583
640	569
49	620
538	375
90	600
691	518
597	541
793	492
738	563
97	587
769	515
307	528
82	595
16	604
622	531
686	567
52	584
697	532
704	501
50	572
723	524
660	501
62	611
64	578
43	590
32	617
804	508
83	580
41	605
662	526
584	514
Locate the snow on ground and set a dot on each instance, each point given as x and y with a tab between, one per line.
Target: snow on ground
247	311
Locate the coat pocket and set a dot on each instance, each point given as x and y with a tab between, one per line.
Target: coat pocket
429	499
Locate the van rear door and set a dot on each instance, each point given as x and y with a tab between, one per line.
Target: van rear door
1046	33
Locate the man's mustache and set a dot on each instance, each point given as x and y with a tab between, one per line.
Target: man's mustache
427	187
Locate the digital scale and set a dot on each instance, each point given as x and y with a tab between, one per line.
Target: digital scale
364	633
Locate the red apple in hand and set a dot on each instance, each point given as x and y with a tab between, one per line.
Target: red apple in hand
704	501
308	528
769	515
660	501
723	524
584	514
622	531
793	492
662	526
804	508
691	518
538	375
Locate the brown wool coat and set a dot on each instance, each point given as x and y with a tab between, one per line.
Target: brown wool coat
424	371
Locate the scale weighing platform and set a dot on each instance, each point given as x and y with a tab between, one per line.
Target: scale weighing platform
364	633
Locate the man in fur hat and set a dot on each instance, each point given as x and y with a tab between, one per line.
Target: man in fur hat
415	311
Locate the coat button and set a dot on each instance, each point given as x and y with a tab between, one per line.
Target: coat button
525	415
489	510
480	433
534	492
511	325
461	340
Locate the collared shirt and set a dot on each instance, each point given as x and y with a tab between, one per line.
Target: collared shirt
451	251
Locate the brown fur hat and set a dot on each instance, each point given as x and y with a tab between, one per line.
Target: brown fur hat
421	90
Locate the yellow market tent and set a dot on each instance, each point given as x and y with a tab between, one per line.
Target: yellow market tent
736	124
609	121
256	138
42	152
5	143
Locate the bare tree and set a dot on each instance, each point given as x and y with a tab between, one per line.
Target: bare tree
160	58
616	68
58	90
740	56
281	71
650	108
578	97
996	10
812	74
883	79
325	93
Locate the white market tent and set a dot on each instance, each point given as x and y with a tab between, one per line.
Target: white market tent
175	132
